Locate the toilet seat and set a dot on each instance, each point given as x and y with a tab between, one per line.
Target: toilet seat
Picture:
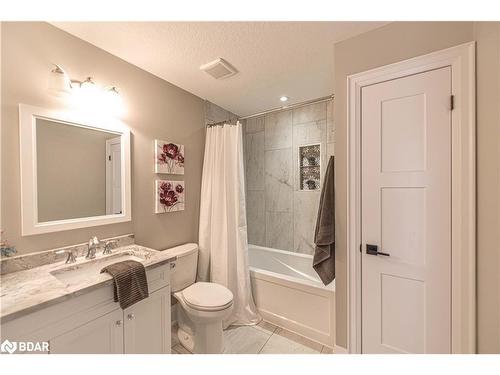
204	296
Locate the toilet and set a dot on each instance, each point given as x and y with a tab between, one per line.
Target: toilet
202	306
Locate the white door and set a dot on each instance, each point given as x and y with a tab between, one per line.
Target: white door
103	335
147	324
406	213
113	176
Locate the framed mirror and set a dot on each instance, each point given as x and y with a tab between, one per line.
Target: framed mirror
75	171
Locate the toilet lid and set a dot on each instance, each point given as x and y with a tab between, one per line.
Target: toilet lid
207	296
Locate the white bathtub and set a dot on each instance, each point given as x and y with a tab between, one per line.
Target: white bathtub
289	293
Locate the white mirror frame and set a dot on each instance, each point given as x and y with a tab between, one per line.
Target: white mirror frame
29	202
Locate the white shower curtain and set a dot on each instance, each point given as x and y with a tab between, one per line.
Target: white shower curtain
223	242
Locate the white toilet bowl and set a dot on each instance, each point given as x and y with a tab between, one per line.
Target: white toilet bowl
203	308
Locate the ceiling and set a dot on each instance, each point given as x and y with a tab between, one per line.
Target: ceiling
272	58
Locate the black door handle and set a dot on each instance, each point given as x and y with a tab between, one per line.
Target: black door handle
373	250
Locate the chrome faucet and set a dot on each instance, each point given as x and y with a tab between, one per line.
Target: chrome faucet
71	258
92	247
108	245
70	255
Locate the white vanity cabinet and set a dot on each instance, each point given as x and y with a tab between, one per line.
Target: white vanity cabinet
103	335
142	328
94	323
147	325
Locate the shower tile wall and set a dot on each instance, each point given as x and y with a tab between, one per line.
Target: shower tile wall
279	215
214	113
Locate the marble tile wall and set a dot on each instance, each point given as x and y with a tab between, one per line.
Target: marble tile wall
279	215
214	113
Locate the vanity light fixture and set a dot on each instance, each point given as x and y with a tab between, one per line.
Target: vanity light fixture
89	90
86	95
88	83
113	100
113	90
283	98
59	82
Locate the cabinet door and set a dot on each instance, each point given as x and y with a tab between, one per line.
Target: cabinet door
103	335
147	324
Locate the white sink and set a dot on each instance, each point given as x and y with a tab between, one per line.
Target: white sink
91	268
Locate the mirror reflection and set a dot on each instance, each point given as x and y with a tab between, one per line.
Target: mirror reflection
78	171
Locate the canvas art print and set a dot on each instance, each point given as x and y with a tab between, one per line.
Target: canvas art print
169	157
169	196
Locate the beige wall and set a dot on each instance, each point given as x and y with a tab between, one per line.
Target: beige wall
400	41
487	36
155	109
71	171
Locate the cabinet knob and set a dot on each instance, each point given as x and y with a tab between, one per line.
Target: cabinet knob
130	316
118	323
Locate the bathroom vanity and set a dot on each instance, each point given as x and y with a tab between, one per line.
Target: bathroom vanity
71	306
59	296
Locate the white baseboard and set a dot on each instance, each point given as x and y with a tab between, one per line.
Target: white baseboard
339	350
321	337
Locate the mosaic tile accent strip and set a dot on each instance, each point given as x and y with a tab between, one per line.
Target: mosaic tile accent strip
309	167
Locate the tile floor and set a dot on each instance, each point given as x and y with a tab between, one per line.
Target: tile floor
264	338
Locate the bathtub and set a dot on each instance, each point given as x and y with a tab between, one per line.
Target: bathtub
289	293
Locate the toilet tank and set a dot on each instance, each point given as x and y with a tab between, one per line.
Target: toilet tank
183	274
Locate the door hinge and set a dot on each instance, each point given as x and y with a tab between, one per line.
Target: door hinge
109	157
452	102
360	248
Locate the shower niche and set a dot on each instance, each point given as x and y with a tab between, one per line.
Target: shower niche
309	167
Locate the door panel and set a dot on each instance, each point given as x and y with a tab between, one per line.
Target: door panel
113	176
116	178
410	298
402	223
403	142
103	335
406	212
147	324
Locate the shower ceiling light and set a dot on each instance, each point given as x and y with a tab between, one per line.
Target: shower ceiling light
283	98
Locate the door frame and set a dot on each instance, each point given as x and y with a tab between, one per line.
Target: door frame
461	59
109	174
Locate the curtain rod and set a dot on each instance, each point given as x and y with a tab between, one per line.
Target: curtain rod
220	123
295	105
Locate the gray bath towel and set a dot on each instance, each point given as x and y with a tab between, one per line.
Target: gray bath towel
130	282
324	235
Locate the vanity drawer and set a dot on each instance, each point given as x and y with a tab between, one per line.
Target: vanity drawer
158	277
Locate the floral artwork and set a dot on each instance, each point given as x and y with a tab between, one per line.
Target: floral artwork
169	196
169	157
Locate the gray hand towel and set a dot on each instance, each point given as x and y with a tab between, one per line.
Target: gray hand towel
130	282
324	235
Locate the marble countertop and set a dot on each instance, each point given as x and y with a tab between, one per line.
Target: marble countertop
33	289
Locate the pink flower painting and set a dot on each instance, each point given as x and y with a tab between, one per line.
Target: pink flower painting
169	157
169	196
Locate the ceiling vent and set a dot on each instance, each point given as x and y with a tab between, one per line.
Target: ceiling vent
219	69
